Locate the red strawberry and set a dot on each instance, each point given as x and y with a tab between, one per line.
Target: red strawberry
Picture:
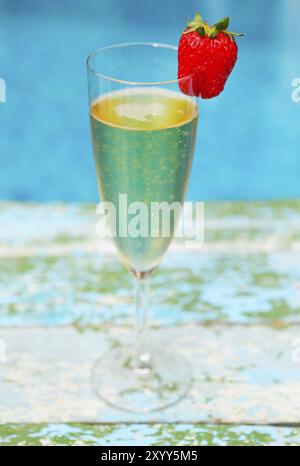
206	56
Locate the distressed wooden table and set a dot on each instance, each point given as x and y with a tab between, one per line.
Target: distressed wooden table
232	308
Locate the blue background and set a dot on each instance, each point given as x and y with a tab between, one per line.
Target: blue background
248	140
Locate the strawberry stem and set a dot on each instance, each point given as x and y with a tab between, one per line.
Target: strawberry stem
204	29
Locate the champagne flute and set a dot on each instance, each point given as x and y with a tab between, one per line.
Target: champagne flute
143	133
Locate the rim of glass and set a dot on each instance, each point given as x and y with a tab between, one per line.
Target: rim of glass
130	44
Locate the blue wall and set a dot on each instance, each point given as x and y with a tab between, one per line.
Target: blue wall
249	138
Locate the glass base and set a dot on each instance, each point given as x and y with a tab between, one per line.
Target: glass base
119	383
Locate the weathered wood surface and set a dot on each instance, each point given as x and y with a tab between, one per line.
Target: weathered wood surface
233	305
147	434
242	374
54	269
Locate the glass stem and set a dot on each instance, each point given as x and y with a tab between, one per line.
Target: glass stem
142	362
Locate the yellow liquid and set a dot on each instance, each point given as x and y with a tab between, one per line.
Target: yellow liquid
143	142
144	109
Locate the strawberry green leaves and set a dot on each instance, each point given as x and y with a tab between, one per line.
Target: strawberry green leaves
196	21
204	29
222	25
201	31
